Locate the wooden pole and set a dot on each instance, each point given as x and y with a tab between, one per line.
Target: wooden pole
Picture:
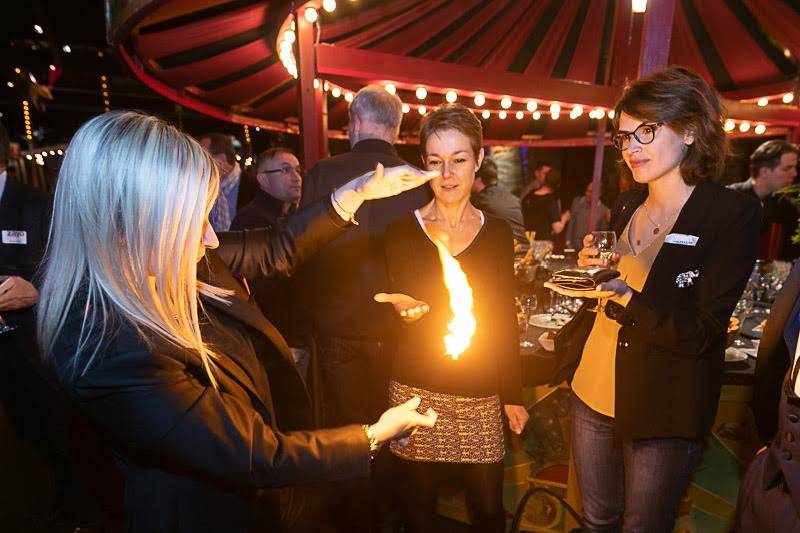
597	176
656	36
312	104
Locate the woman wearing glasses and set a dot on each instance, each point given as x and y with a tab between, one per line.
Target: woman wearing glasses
646	370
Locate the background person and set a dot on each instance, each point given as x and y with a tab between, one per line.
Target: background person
580	210
471	393
493	199
236	187
154	339
541	209
646	373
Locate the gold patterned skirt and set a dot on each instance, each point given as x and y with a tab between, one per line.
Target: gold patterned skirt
468	430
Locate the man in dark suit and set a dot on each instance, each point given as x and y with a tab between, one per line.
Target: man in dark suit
280	179
236	187
350	329
769	497
488	196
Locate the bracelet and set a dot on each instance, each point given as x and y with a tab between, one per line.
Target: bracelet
351	217
374	443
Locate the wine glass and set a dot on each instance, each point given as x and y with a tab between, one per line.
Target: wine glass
606	242
528	305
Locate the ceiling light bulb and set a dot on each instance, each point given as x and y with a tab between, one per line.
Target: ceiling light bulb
406	108
502	115
532	105
480	99
348	96
486	113
744	127
639	6
611	114
788	98
311	14
329	5
336	92
38	29
537	115
762	102
66	49
289	36
520	115
505	103
422	110
729	125
390	88
451	96
760	129
421	93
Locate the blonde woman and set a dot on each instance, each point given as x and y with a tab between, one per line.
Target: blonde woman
150	333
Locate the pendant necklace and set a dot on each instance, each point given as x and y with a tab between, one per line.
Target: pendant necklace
656	225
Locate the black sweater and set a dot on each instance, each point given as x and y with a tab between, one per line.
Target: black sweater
491	365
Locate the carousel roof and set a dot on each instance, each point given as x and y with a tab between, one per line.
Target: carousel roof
224	58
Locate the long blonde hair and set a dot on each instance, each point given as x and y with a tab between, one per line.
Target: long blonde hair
131	201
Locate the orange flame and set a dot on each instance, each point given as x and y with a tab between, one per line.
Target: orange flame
462	327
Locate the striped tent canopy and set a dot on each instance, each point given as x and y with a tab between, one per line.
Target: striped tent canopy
221	57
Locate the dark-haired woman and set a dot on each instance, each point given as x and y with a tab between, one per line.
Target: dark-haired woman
469	394
646	372
541	209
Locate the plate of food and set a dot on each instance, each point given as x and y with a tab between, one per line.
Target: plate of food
548	321
734	355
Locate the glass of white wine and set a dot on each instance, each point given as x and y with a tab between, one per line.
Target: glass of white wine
606	243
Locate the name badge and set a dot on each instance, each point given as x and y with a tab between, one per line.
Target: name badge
11	236
681	239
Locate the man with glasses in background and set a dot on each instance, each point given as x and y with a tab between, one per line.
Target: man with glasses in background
280	182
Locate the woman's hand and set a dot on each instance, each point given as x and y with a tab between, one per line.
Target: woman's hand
407	307
17	293
380	183
383	183
400	421
517	417
615	290
589	256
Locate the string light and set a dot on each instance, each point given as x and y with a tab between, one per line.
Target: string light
316	83
479	99
336	92
289	36
326	86
744	127
762	102
639	6
311	15
32	77
537	115
505	103
52	68
421	109
576	112
10	84
760	129
258	128
329	5
38	29
486	114
406	108
788	98
104	92
611	114
246	133
502	115
17	70
391	88
729	125
451	96
421	93
26	115
520	115
531	105
66	48
348	96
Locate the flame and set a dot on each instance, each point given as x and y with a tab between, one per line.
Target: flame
462	326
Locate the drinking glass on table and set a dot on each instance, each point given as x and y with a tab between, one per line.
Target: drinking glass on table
528	305
743	308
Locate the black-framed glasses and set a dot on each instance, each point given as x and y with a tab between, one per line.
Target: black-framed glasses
644	134
285	169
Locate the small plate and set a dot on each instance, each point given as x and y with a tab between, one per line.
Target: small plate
548	321
546	342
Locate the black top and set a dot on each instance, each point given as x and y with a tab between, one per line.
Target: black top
671	344
345	275
279	298
491	365
777	209
539	211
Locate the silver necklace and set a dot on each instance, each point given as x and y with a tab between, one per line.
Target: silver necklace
656	225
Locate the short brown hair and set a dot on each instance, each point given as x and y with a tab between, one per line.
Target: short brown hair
454	117
5	146
487	171
269	153
683	101
768	155
219	143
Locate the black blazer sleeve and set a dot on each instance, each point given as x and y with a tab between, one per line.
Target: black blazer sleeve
156	408
510	360
273	252
774	359
699	318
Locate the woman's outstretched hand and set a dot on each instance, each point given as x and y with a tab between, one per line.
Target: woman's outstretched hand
409	309
517	417
386	182
401	420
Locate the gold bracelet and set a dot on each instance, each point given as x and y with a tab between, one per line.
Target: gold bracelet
351	216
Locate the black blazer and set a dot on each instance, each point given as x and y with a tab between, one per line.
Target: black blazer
671	345
194	456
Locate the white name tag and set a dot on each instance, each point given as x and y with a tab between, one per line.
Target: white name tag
683	240
11	236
